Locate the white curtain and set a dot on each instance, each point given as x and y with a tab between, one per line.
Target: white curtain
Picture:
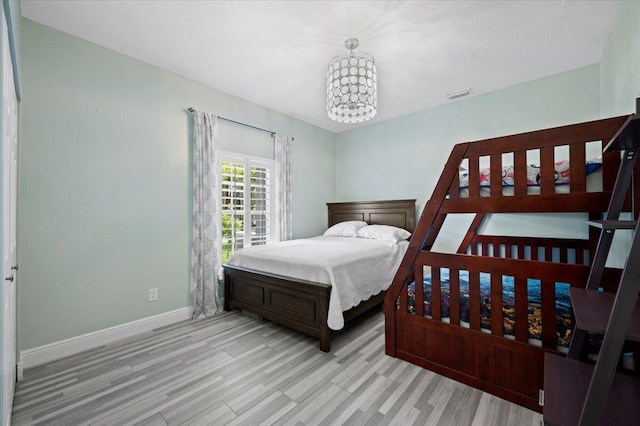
207	238
283	186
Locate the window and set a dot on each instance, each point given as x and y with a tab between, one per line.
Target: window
246	206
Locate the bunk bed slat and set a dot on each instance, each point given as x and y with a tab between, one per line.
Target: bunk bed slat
454	296
435	294
520	173
508	253
578	173
521	252
419	291
497	321
547	171
495	164
474	300
521	310
548	302
610	167
474	177
564	254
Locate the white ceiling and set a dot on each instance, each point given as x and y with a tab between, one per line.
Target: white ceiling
275	53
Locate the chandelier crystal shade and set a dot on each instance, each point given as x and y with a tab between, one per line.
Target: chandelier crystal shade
352	86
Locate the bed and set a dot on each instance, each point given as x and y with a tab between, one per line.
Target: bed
304	304
486	314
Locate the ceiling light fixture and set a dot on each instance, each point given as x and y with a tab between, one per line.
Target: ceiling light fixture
352	86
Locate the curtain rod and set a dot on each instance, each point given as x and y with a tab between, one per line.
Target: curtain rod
190	109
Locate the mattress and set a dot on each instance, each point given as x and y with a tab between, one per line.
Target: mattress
563	305
356	268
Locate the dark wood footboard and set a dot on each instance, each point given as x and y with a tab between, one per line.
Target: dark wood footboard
300	305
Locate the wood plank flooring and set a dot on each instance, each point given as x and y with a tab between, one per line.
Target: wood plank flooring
236	370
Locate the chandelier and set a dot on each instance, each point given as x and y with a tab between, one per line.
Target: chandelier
352	86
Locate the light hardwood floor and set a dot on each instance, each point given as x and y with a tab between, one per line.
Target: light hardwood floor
233	369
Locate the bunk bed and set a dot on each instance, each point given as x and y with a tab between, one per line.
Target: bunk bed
447	324
300	304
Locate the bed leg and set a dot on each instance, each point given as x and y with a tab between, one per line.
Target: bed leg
390	334
325	339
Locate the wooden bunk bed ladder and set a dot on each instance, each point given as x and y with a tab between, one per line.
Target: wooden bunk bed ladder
579	392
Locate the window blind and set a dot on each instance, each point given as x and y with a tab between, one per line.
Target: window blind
246	208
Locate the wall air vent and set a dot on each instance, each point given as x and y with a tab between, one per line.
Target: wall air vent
459	93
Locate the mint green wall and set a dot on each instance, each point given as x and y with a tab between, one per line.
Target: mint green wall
105	178
620	64
403	157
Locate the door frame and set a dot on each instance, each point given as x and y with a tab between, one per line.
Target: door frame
8	183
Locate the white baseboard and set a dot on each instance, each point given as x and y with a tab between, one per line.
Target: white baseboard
56	350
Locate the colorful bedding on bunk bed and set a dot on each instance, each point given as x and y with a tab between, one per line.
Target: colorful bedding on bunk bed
563	304
562	174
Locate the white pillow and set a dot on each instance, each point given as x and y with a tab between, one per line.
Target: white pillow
345	229
384	232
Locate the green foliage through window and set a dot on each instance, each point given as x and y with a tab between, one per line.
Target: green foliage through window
238	204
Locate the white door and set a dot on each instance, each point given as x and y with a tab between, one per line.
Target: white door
9	216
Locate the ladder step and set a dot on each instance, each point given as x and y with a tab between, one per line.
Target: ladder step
565	386
592	309
613	224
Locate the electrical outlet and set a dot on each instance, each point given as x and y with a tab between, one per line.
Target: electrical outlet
153	294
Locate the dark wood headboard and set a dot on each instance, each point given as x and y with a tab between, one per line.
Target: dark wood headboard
400	213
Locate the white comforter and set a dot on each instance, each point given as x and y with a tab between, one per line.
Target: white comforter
356	268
